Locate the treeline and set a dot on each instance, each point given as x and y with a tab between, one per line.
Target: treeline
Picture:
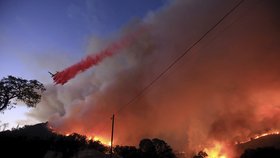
155	148
39	141
36	141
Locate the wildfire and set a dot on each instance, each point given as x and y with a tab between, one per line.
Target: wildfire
266	134
273	132
223	150
216	151
89	137
101	139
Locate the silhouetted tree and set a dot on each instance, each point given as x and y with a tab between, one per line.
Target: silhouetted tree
147	148
20	89
97	145
127	152
163	150
155	148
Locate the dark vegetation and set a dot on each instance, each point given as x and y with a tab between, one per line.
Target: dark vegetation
264	147
148	148
39	141
16	88
270	140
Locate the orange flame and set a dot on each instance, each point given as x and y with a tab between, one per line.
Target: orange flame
272	132
89	137
223	150
216	151
101	139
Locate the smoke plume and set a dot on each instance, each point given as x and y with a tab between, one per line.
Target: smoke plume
225	89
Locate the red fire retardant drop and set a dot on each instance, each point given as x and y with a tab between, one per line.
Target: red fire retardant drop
64	76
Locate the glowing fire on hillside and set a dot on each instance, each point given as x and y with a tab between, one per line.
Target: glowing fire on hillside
105	141
226	150
272	132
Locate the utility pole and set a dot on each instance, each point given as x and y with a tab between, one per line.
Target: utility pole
112	135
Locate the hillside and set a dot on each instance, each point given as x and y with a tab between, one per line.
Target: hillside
266	141
263	147
40	130
40	142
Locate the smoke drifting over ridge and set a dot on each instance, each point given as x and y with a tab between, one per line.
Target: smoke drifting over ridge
226	89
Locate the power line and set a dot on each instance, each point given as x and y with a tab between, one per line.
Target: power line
142	92
179	58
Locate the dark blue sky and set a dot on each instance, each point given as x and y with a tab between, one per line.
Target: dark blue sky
31	28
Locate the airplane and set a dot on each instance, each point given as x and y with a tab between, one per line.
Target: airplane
52	73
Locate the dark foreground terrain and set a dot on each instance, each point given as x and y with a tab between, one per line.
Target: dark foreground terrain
264	147
39	141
